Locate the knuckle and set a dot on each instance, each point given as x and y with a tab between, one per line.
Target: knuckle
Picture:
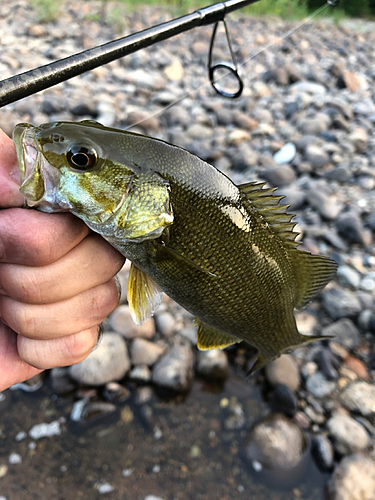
78	346
23	321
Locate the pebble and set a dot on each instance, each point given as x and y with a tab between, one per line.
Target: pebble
344	333
140	374
279	176
275	444
348	435
165	323
39	431
174	370
328	208
359	397
350	226
144	352
212	364
286	154
61	381
319	386
347	276
283	399
323	453
341	303
353	479
121	322
108	362
283	370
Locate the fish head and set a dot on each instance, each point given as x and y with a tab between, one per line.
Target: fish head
84	168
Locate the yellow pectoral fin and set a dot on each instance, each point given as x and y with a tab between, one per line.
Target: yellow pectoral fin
144	296
210	338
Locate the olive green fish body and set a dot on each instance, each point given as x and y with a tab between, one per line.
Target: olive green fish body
226	253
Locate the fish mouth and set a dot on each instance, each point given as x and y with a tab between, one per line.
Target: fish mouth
39	179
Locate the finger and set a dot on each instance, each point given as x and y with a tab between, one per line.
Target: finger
64	351
9	174
12	368
50	321
92	262
34	238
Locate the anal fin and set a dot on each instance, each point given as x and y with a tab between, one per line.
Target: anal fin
144	295
211	338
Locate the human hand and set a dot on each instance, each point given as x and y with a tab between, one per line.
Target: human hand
56	283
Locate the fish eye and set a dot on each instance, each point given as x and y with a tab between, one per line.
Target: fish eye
81	157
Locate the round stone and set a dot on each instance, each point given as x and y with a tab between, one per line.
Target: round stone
108	362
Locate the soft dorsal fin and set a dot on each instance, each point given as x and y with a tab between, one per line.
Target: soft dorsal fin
313	272
268	206
211	338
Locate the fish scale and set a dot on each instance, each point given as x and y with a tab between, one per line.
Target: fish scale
226	253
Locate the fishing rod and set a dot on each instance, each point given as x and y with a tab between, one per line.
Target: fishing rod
25	84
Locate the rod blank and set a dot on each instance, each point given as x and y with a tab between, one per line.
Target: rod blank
25	84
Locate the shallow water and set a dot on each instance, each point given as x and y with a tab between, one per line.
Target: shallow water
177	450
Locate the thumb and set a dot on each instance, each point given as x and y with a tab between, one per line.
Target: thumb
9	175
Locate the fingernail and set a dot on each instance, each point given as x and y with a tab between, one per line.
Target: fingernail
14	174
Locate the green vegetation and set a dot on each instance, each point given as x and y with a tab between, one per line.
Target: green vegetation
112	12
47	10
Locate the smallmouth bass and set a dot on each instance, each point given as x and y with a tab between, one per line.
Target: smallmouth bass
226	253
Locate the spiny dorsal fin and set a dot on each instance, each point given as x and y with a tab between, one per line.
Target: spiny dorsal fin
268	206
313	272
211	338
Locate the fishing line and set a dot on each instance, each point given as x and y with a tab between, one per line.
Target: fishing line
192	93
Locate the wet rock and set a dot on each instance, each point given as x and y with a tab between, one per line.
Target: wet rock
39	431
165	323
323	454
174	371
144	352
140	374
283	370
326	206
314	125
61	381
348	435
316	156
350	226
319	386
108	362
121	321
212	364
328	363
283	400
348	80
359	397
116	393
341	303
357	367
294	196
344	332
276	446
279	176
308	88
353	479
238	136
348	276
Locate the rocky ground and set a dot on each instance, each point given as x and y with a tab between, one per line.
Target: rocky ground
305	123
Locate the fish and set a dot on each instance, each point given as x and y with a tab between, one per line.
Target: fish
228	254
